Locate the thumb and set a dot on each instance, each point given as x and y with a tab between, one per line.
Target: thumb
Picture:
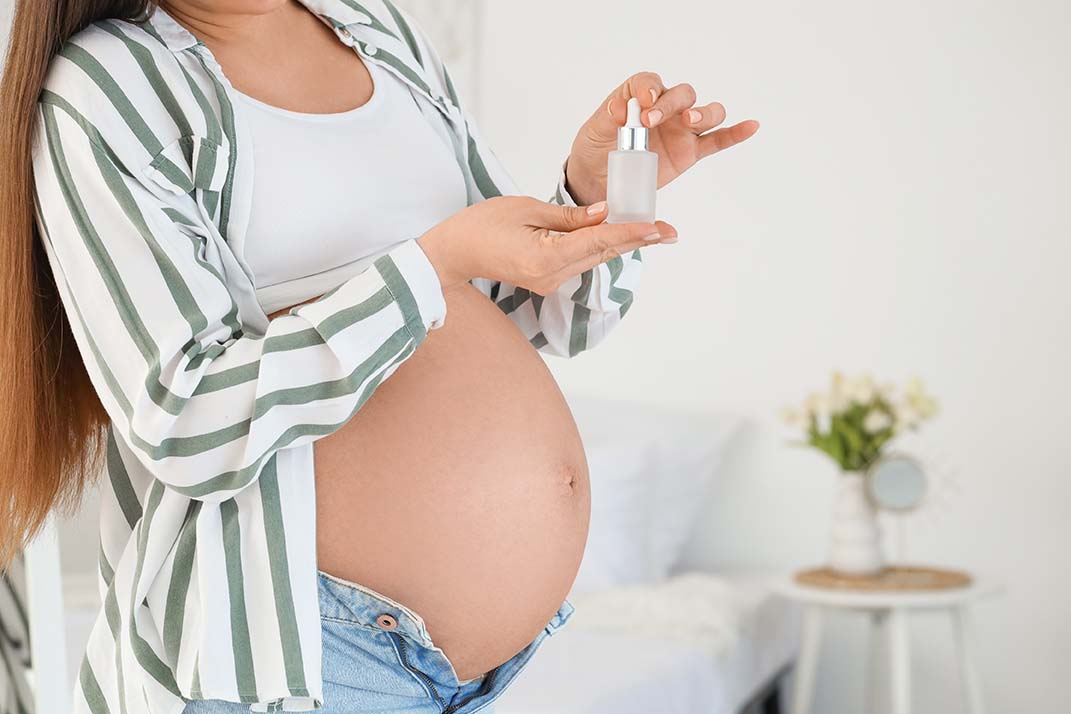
604	123
567	219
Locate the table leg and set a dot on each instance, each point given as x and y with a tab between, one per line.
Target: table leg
972	687
807	667
876	697
900	664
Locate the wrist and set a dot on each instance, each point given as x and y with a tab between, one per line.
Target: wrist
434	245
582	183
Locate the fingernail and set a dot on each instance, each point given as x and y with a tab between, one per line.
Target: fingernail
694	116
654	96
669	239
596	208
654	116
653	237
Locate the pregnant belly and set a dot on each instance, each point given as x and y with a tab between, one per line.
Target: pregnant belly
460	488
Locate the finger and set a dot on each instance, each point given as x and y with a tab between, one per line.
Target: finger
715	141
595	240
645	86
700	119
604	124
671	103
669	235
551	216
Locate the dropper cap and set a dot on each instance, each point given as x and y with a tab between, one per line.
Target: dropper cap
633	135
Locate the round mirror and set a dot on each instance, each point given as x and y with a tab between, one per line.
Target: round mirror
896	482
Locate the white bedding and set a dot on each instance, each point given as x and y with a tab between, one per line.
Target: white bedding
592	669
696	608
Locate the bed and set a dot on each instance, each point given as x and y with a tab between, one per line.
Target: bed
584	671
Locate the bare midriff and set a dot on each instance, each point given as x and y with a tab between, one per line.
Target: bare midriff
460	488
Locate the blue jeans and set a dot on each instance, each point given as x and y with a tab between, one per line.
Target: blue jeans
379	659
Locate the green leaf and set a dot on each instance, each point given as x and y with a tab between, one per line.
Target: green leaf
836	448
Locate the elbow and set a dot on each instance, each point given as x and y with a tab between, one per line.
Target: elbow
199	467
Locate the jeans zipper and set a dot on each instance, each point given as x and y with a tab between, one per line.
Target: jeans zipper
427	680
484	688
446	709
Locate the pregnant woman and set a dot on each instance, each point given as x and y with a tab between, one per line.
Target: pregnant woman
281	291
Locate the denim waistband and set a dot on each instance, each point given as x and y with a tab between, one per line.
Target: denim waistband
351	602
344	600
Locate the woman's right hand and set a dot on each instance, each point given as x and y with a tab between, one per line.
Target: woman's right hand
531	243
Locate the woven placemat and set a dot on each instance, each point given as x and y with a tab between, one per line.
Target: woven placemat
892	578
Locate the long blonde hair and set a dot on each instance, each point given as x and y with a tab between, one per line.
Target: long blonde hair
52	424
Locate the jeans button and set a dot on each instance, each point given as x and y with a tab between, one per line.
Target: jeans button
387	622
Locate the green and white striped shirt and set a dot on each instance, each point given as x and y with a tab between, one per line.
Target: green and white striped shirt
143	186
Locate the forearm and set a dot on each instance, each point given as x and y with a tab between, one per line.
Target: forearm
582	311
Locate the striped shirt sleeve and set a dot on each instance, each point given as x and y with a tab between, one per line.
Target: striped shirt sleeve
584	309
202	403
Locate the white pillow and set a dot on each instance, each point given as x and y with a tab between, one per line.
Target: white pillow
617	551
686	464
651	468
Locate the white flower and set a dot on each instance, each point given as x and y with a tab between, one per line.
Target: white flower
905	416
820	409
817	405
887	391
838	399
861	390
924	405
877	420
796	417
884	410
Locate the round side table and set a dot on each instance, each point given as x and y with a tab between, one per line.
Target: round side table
888	611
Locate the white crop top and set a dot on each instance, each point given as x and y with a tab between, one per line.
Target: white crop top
333	192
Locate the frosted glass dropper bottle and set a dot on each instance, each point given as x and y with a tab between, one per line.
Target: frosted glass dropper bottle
632	173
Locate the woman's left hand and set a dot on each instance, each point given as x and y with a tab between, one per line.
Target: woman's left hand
679	133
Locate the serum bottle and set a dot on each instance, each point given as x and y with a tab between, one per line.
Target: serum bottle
632	173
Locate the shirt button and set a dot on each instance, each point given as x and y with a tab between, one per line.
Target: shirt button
370	49
387	622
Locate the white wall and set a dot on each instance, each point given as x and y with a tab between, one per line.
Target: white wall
7	8
897	212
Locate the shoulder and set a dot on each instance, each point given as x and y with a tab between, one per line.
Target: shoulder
404	25
418	45
106	52
112	77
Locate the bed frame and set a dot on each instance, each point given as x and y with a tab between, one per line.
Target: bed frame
768	699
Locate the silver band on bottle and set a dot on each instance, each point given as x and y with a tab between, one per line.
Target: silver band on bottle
632	138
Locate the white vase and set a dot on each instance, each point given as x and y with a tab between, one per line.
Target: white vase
855	541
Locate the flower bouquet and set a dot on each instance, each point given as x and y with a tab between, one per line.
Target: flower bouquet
853	423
